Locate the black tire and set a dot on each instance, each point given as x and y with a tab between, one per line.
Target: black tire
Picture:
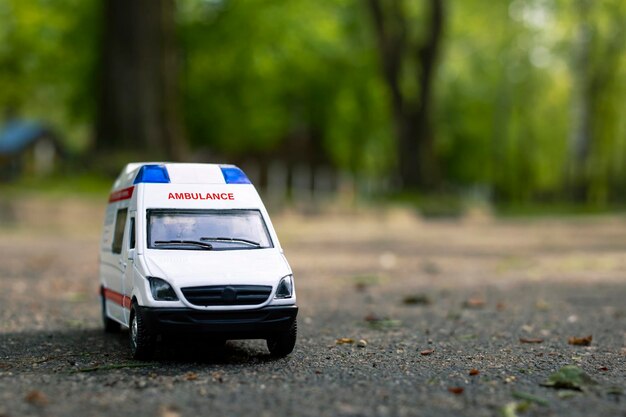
110	325
282	344
142	338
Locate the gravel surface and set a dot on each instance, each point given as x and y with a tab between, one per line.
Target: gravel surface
418	305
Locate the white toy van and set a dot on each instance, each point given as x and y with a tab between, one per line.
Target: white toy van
190	248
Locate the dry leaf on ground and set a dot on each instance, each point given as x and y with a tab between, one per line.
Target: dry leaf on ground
169	411
474	303
530	340
190	376
417	299
427	352
381	323
456	390
580	341
36	397
344	341
474	372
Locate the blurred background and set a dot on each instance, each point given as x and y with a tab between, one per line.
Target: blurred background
420	160
511	105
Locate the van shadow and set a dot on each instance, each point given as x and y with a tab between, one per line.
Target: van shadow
86	350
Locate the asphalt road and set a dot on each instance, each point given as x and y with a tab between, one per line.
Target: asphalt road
431	300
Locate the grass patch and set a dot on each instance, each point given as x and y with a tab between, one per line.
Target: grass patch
60	186
432	205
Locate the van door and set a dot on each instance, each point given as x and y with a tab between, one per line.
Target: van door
130	242
116	267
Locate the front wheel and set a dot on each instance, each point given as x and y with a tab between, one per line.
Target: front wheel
142	339
282	344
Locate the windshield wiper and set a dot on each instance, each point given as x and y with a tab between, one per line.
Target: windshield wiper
204	245
233	240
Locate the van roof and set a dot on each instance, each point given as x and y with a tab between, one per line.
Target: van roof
179	173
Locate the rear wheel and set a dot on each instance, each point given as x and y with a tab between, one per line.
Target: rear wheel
282	344
110	325
142	339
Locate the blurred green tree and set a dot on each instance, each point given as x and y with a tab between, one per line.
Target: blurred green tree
293	81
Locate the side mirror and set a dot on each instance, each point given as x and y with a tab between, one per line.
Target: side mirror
131	254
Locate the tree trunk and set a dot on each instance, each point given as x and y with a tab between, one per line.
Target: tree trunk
581	134
139	98
412	113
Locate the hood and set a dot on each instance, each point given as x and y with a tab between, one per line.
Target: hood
185	268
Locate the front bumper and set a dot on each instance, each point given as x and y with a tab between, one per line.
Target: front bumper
231	324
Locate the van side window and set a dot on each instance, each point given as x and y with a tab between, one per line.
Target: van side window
118	237
131	236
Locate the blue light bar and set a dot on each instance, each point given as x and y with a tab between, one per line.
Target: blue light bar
234	175
152	174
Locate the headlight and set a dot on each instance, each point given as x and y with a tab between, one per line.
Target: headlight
161	290
285	287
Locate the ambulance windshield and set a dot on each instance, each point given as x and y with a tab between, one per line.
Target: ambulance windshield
207	230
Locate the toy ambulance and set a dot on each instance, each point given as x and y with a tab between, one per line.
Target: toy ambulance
190	248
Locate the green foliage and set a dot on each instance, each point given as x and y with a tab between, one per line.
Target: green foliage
48	52
261	74
570	377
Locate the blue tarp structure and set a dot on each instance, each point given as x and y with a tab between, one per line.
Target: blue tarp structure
16	135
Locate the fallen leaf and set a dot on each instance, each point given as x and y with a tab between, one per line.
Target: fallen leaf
474	303
381	323
427	352
417	299
36	397
569	377
474	372
580	341
169	411
511	409
218	376
371	317
363	282
190	376
344	341
500	306
530	340
567	394
456	390
530	397
603	368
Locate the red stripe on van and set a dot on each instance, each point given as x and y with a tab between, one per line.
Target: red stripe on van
120	195
117	298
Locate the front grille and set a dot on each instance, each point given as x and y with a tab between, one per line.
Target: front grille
224	295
